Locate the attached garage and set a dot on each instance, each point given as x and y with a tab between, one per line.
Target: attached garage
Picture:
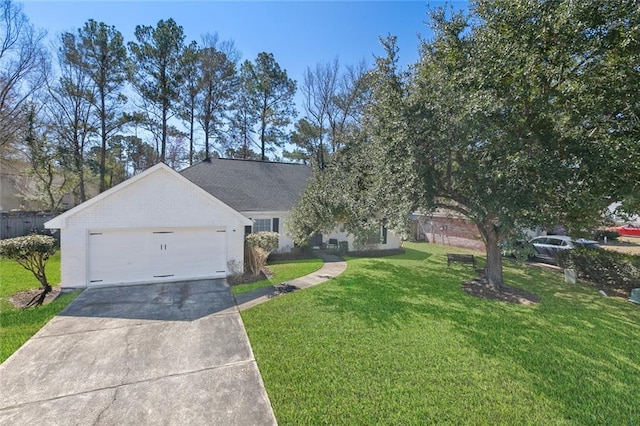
119	256
154	227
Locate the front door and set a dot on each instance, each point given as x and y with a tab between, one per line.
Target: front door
316	241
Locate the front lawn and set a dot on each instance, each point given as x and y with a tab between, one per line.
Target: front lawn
283	270
396	341
18	325
15	278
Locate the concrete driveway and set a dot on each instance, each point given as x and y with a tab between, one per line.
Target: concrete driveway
172	354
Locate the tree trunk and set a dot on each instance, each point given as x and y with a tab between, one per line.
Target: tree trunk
245	142
263	131
191	143
262	142
83	194
103	136
38	299
491	236
191	125
206	140
163	147
78	158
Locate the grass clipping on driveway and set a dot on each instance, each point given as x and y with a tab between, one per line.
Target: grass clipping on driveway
397	341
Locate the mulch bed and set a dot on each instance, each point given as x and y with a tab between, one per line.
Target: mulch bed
481	287
248	277
21	298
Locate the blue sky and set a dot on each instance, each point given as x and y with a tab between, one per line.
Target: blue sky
298	33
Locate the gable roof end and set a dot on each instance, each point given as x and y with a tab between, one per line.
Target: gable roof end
60	221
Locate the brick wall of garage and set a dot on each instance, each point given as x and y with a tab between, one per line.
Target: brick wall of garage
160	200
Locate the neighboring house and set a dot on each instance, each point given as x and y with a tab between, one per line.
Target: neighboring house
442	224
162	225
17	189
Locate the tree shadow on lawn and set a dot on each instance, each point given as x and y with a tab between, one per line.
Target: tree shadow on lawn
382	293
577	348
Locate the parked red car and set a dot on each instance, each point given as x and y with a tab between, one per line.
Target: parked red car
628	230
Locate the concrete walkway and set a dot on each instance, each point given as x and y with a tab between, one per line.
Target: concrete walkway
333	266
171	353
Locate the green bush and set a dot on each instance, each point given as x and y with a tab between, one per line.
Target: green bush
32	253
257	248
267	241
603	267
610	235
343	247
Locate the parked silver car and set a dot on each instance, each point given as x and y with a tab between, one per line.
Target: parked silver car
547	247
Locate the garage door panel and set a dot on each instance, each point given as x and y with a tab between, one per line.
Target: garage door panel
128	256
115	254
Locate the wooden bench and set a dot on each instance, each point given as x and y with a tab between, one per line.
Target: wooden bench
461	258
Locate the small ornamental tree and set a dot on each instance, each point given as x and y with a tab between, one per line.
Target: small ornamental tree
32	252
258	246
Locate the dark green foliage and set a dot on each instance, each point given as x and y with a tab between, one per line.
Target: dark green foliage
217	87
603	267
519	113
269	94
268	241
600	235
343	247
99	51
157	54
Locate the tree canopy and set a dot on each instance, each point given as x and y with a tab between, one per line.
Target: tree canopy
518	114
270	93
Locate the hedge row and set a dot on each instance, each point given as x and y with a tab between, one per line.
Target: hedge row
610	235
603	267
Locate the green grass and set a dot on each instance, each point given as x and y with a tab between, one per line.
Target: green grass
14	278
18	325
284	270
396	341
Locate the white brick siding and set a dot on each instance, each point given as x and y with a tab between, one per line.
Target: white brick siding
162	199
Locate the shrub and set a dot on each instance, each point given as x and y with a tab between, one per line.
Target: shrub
343	247
600	235
32	253
257	248
603	267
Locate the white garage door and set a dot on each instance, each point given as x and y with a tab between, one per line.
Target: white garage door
130	256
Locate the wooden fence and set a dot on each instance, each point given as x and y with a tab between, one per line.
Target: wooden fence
19	223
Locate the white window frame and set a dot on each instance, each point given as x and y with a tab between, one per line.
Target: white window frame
261	228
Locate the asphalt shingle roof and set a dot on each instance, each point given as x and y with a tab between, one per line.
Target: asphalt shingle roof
247	185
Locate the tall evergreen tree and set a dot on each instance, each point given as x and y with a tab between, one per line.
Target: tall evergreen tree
218	87
100	51
270	93
191	88
158	76
71	108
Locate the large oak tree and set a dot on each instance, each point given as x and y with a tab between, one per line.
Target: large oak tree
521	113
